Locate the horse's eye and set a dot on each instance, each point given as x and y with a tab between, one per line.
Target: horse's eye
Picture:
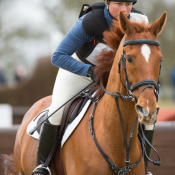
129	59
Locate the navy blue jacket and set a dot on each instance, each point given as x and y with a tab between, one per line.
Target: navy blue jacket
75	38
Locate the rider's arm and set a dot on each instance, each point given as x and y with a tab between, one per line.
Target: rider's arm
75	38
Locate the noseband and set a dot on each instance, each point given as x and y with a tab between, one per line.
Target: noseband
147	83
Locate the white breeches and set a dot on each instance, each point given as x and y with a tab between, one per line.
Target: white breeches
66	86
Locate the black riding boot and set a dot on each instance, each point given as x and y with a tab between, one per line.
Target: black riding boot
149	135
48	136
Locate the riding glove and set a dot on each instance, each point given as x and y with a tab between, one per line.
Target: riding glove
91	73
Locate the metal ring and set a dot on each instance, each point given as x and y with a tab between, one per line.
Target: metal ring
121	171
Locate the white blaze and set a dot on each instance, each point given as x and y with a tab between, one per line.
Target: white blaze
147	107
146	51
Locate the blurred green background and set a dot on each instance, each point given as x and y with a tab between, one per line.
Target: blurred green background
31	30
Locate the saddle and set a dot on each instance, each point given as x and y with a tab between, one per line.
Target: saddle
73	108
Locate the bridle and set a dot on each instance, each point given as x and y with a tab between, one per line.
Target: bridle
130	88
147	83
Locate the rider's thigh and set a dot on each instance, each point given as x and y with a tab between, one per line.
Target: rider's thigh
66	86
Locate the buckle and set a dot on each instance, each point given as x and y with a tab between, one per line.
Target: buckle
122	171
131	95
127	161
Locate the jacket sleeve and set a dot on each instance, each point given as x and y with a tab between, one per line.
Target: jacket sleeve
74	39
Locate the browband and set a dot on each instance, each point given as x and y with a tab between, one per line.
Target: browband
133	42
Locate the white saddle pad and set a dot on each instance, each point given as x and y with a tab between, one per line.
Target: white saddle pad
33	124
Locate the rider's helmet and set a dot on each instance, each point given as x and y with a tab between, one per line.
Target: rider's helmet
134	1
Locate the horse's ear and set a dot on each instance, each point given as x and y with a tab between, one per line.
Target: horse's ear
157	27
125	24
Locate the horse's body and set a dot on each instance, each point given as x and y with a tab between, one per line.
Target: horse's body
80	154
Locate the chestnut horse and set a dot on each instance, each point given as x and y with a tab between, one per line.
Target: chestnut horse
141	56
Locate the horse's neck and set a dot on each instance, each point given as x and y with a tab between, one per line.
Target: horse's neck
116	84
110	124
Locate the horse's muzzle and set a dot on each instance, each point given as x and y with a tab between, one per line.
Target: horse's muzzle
146	115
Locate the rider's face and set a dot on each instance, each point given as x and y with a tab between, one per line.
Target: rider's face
116	7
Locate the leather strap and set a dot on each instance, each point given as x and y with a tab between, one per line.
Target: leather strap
46	164
125	137
143	83
117	94
133	42
144	139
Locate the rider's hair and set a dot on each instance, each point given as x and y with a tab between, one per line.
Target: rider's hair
107	2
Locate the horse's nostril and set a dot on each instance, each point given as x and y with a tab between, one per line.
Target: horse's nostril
142	111
139	108
155	112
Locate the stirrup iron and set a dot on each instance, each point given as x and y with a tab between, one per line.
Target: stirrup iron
41	167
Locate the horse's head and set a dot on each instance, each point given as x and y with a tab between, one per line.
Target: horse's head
142	60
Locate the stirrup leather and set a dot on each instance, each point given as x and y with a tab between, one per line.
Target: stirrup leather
41	167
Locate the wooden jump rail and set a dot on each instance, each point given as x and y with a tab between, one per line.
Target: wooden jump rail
167	125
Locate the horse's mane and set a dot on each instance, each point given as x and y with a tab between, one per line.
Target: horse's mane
112	38
105	59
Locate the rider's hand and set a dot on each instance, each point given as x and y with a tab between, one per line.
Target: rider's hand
91	73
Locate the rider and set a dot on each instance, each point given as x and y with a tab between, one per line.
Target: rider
75	57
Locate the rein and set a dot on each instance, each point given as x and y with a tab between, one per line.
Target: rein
130	88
